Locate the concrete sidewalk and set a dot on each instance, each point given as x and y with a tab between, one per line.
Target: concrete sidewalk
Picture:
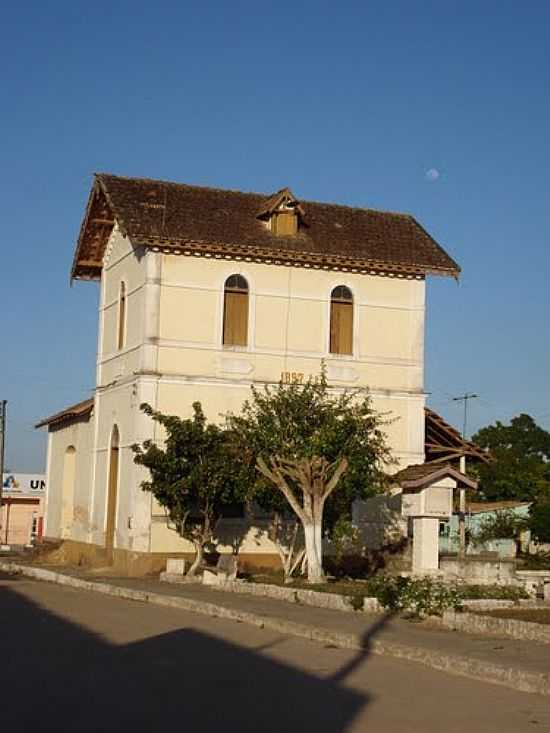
522	665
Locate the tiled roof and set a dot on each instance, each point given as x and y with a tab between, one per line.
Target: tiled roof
494	506
80	410
224	223
422	474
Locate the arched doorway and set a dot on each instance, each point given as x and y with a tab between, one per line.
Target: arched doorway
112	491
67	492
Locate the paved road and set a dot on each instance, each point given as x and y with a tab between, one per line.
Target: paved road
73	660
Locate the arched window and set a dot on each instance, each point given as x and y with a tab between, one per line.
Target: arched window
341	321
112	491
121	316
235	311
68	486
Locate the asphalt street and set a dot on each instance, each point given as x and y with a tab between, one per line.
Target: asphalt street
72	660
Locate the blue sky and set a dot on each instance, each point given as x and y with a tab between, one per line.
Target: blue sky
352	102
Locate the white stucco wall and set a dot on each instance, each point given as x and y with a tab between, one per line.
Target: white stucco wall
289	333
77	435
173	355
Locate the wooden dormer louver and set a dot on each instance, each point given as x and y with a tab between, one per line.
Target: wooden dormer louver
283	212
284	222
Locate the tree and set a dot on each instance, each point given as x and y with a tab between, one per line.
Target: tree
539	518
307	441
284	528
193	476
521	466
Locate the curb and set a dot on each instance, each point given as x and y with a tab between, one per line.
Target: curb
472	623
517	679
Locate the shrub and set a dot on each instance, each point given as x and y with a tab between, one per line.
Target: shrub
538	561
502	525
348	566
491	592
415	596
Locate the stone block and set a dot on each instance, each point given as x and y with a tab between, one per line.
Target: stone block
227	565
209	577
175	566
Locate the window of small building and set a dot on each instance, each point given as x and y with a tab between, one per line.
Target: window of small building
235	311
121	316
341	321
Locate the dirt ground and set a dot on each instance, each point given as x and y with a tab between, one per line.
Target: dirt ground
73	660
534	615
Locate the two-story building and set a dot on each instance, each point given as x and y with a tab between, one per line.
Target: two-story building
204	292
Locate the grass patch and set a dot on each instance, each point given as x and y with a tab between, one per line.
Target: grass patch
533	615
342	587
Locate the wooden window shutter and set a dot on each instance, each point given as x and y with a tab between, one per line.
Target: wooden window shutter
341	322
235	314
285	223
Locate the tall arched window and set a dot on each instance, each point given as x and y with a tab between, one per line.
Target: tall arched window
341	321
121	341
68	486
112	491
235	311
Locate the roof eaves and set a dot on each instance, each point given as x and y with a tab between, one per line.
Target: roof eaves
80	409
295	257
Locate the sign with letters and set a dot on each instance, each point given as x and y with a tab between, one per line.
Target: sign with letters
24	483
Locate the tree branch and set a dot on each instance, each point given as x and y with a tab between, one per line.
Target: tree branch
336	476
276	477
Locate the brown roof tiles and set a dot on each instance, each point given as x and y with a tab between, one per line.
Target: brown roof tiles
179	217
79	411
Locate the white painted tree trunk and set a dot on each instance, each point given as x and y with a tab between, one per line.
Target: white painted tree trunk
199	556
314	559
319	542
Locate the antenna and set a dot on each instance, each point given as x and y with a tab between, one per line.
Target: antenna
464	398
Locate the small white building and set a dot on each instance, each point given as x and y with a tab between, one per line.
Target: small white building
205	292
22	510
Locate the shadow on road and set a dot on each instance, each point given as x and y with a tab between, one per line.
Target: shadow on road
56	675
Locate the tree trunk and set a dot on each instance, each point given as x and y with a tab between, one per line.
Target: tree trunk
199	556
319	541
314	562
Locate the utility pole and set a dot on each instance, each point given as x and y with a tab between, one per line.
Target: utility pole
3	404
462	495
464	398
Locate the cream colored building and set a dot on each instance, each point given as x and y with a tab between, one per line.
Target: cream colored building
204	292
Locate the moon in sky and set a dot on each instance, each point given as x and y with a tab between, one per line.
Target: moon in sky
432	174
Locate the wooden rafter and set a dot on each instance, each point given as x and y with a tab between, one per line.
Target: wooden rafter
95	231
443	442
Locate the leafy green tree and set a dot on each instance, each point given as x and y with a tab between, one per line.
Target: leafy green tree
539	519
520	468
306	441
193	476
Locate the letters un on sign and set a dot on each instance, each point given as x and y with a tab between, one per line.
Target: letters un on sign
24	483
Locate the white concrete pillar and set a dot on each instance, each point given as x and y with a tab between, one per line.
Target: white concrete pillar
425	544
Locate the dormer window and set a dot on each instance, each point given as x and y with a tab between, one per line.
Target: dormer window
282	213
